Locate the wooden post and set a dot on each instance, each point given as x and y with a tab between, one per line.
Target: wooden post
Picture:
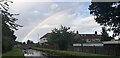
94	49
82	46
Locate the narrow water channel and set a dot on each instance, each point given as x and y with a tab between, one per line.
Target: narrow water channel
30	53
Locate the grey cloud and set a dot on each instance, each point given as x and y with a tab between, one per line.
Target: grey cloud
32	14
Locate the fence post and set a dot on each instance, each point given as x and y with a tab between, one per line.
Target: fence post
82	46
94	49
117	50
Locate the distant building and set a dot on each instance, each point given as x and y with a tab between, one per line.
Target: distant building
44	39
89	37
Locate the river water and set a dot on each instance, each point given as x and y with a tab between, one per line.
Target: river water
30	53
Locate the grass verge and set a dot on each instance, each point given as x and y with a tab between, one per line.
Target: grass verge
14	53
66	53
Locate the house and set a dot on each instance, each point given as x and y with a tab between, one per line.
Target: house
44	39
89	37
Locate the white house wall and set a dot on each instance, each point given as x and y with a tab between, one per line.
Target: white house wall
89	44
43	40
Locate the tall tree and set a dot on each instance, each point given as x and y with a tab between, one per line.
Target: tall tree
107	14
104	34
8	26
61	37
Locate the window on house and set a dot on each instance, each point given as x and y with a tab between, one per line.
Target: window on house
88	40
97	40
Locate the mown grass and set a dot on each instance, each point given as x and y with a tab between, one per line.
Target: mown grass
14	53
66	53
0	54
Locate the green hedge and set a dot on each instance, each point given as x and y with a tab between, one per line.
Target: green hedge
66	53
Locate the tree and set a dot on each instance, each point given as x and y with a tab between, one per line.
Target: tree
37	45
104	34
61	37
29	42
107	14
8	26
96	32
24	43
77	38
17	42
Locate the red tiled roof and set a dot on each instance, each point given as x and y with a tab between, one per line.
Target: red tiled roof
89	35
81	35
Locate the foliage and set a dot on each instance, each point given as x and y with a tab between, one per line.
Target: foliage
37	45
8	18
107	14
16	42
78	39
24	43
8	26
61	37
104	34
29	42
7	44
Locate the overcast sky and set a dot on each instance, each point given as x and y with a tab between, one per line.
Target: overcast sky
39	18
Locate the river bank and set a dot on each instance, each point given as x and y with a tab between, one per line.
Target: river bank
66	53
15	53
70	54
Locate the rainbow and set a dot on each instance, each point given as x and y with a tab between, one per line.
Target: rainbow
41	23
